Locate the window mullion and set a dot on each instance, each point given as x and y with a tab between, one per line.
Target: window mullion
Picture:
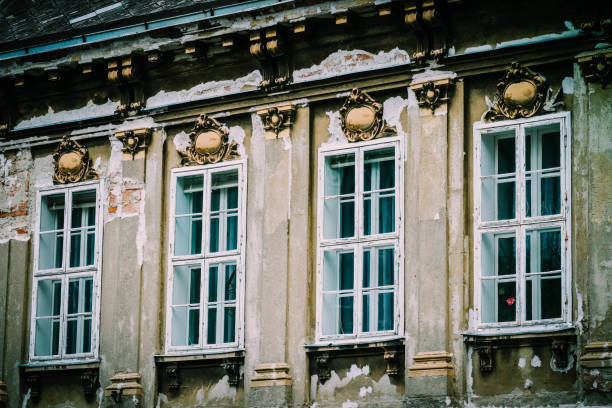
207	192
359	210
358	289
204	278
61	349
67	224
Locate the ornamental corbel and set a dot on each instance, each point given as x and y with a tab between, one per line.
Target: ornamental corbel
486	358
432	94
277	121
89	382
172	372
597	67
232	369
134	141
33	381
209	143
391	357
323	370
521	93
362	118
271	50
71	163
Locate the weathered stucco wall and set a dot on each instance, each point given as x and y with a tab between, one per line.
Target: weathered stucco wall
281	217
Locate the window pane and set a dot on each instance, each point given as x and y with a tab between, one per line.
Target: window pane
212	283
230	282
339	191
543	268
379	191
229	324
188	222
337	270
82	228
543	165
385	311
338	284
48	302
194	326
498	176
73	296
214	234
211	337
86	347
498	285
51	242
186	305
71	336
232	233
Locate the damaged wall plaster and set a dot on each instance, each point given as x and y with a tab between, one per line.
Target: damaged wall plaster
344	62
91	110
206	90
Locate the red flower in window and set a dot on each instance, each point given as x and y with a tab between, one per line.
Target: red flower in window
510	301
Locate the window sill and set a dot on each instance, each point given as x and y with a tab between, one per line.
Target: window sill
86	370
516	332
172	363
322	353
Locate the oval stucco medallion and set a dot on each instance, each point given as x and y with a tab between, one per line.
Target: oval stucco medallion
520	94
70	163
208	142
360	119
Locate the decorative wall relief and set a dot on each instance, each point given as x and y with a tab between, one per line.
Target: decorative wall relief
432	94
362	118
209	143
134	141
71	163
277	121
597	67
520	94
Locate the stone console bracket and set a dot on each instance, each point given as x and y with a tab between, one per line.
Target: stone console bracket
87	373
171	366
560	342
391	351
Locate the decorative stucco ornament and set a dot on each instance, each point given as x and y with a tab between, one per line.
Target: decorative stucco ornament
71	163
362	117
209	143
520	94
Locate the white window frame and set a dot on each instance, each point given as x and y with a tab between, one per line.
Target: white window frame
65	273
358	242
519	225
204	259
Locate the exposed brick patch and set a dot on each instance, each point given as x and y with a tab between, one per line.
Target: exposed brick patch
17	213
21	231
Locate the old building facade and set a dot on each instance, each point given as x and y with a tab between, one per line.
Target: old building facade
305	203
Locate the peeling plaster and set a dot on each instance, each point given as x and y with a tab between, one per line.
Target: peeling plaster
522	362
363	391
222	390
334	381
344	62
206	90
42	172
580	316
91	110
536	362
26	398
568	85
469	374
161	398
528	384
258	132
432	75
350	404
181	141
336	136
237	134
